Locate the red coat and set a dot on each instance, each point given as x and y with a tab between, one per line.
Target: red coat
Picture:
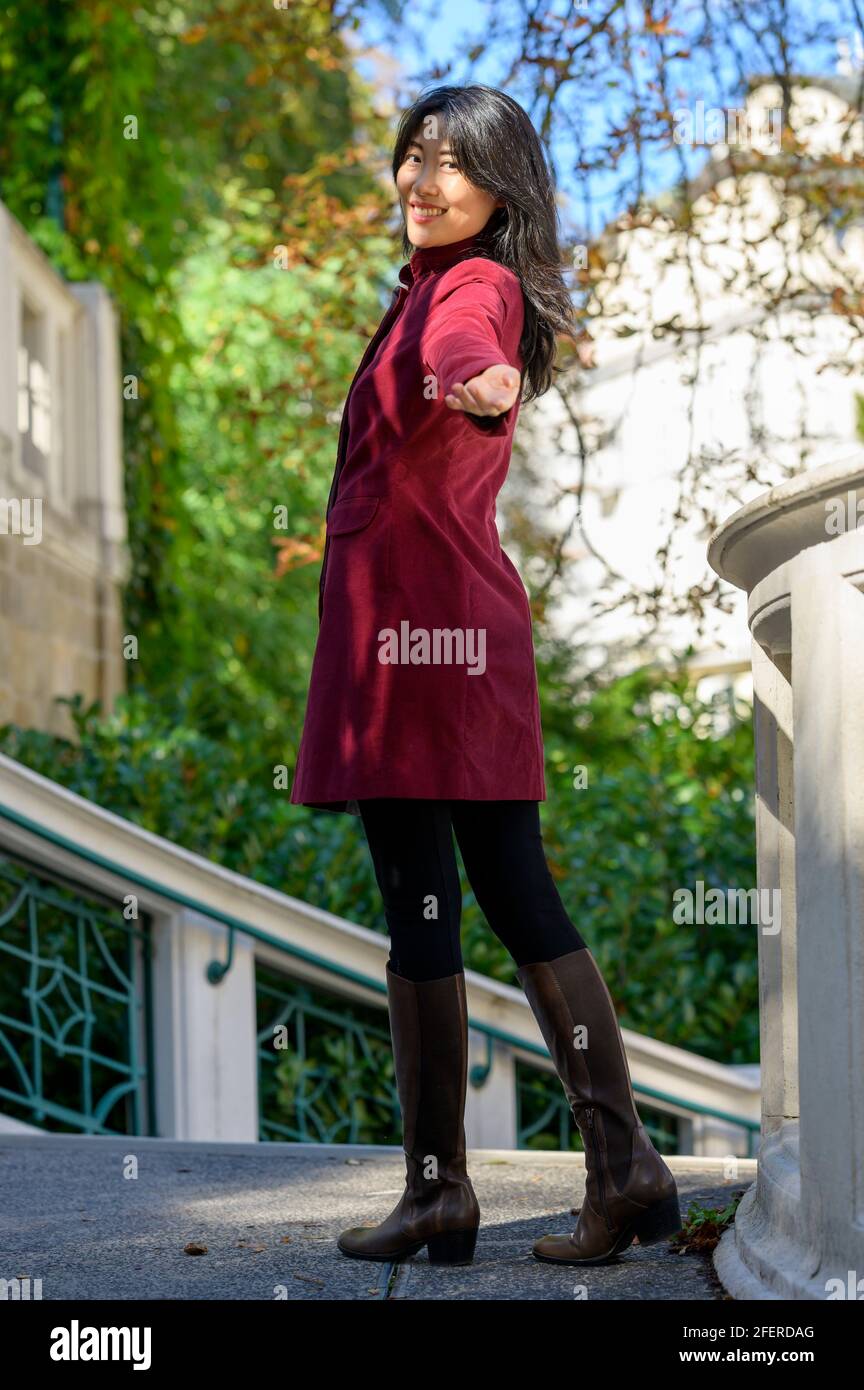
413	569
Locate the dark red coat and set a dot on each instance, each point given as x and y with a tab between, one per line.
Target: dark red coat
412	540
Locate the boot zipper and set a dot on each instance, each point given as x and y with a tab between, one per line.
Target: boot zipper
600	1180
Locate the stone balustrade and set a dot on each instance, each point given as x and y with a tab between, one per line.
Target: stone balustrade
798	552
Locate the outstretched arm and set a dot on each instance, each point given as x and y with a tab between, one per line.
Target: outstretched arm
462	346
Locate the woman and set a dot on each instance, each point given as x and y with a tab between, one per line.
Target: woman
423	714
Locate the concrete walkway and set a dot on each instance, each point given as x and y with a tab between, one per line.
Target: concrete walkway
73	1214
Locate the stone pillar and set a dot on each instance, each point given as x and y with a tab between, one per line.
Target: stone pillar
799	1230
205	1050
775	869
828	690
490	1107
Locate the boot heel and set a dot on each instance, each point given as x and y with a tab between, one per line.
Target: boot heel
663	1219
452	1247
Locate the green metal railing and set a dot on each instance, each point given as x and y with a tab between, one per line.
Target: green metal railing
217	970
74	1006
332	1081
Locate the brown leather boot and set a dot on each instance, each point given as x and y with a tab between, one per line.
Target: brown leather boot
629	1190
438	1209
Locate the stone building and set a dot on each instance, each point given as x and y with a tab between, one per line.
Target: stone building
63	554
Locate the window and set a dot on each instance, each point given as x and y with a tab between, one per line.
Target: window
34	394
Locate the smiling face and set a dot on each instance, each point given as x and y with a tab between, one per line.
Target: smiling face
438	203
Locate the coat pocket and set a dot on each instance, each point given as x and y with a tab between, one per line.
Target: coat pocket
351	514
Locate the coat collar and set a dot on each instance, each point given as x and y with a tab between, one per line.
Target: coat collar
427	259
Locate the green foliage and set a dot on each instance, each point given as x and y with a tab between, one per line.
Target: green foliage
703	1227
257	405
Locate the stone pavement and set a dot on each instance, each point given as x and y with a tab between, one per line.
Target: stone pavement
269	1214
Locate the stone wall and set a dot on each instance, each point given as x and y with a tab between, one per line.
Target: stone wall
60	633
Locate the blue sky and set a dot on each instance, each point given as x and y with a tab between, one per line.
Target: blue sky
439	33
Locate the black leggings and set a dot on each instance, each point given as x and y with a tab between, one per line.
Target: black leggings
411	842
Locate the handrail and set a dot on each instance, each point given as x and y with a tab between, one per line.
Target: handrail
217	969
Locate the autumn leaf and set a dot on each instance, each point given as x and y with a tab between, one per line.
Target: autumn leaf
294	553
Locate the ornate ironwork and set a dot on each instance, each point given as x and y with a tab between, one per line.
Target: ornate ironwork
75	1006
334	1081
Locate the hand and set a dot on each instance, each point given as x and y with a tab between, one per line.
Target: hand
490	393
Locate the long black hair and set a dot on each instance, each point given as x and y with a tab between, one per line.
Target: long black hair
496	148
